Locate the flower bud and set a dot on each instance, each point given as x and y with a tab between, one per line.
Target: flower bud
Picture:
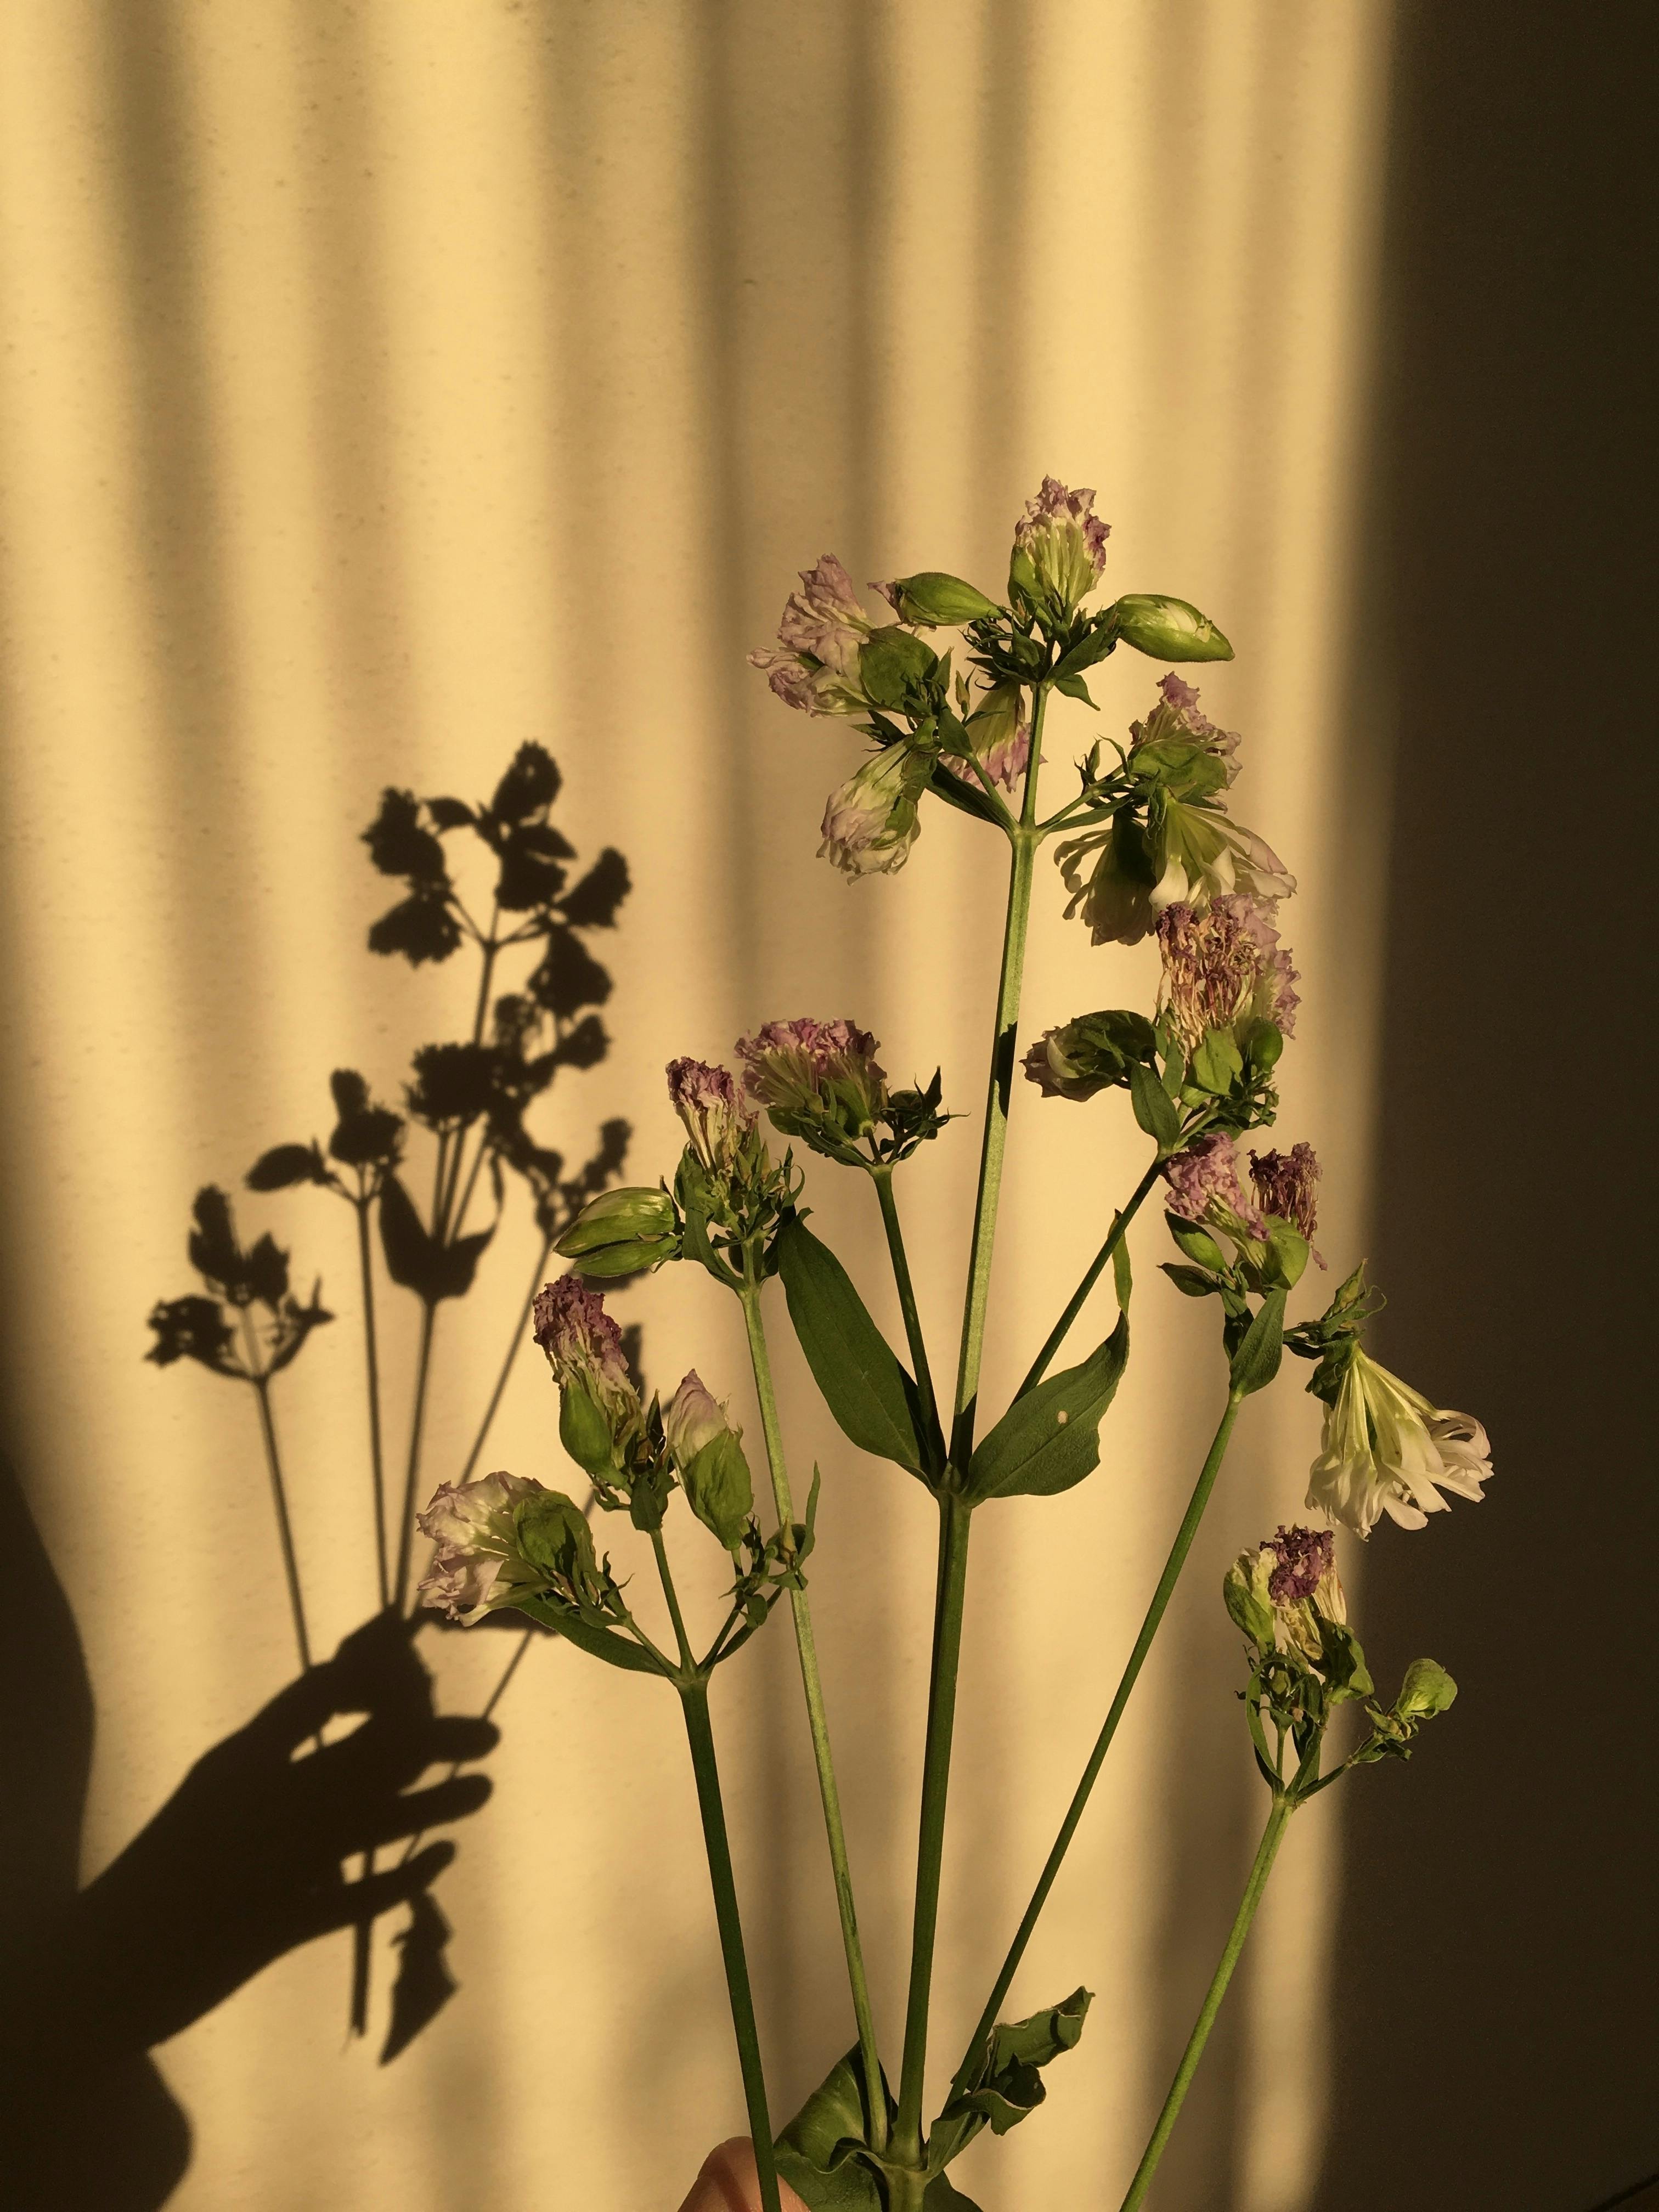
1168	630
870	823
620	1232
708	1456
1428	1689
933	600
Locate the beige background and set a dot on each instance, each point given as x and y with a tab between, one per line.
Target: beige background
385	384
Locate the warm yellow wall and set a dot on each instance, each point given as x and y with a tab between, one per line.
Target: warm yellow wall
385	383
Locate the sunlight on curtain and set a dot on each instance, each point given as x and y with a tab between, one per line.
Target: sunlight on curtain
387	384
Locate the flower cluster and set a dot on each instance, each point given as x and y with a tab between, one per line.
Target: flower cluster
1223	969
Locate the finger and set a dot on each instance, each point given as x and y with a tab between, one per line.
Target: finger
353	1902
460	1736
422	1809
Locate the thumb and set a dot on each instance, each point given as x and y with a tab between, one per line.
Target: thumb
729	2182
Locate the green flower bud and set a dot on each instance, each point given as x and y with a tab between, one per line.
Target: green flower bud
585	1432
708	1454
937	601
620	1232
1168	630
1428	1689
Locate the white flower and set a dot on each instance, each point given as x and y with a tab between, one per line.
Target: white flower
1386	1450
870	823
472	1526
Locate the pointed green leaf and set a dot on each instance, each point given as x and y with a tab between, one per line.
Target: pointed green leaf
1049	1439
1154	1108
1255	1363
606	1643
873	1398
818	2152
1009	2085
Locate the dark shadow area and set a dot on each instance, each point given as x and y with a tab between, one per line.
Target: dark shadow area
242	1863
1498	2039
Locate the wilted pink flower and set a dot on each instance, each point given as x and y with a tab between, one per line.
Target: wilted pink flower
581	1341
1000	736
1180	716
471	1525
870	822
1305	1557
1064	541
1287	1184
717	1118
1224	968
796	1064
822	629
1206	1174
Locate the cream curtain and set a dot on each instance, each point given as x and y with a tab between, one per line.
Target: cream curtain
386	384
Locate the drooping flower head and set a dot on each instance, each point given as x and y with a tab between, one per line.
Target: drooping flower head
1203	1180
1287	1184
583	1343
1223	969
471	1525
817	670
818	1080
870	821
1064	541
1178	715
718	1120
1094	1052
1386	1448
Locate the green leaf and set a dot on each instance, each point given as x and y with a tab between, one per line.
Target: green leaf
606	1643
1123	1279
1009	2085
1049	1439
873	1398
1255	1363
941	2197
819	2152
1074	688
1197	1243
1154	1108
892	663
1192	1282
1217	1064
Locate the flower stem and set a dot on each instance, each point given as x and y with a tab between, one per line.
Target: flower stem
694	1700
1039	1367
882	1176
955	1514
955	1522
372	1364
1068	1826
284	1527
818	1722
1271	1835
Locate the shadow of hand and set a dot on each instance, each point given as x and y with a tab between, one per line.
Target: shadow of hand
244	1861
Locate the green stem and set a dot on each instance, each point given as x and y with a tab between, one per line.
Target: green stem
372	1362
1271	1835
1039	1367
1068	1826
1025	840
882	1176
817	1721
955	1522
694	1699
668	1590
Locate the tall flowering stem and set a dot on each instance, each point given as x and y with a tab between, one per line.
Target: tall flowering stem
1271	1836
1068	1827
817	1718
955	1513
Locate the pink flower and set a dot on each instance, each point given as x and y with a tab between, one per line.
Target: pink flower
718	1120
692	1418
1180	717
1287	1184
472	1526
1206	1175
1064	541
1225	968
870	822
1000	736
822	627
584	1345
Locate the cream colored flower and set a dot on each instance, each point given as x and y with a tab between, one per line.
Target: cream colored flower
1387	1449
